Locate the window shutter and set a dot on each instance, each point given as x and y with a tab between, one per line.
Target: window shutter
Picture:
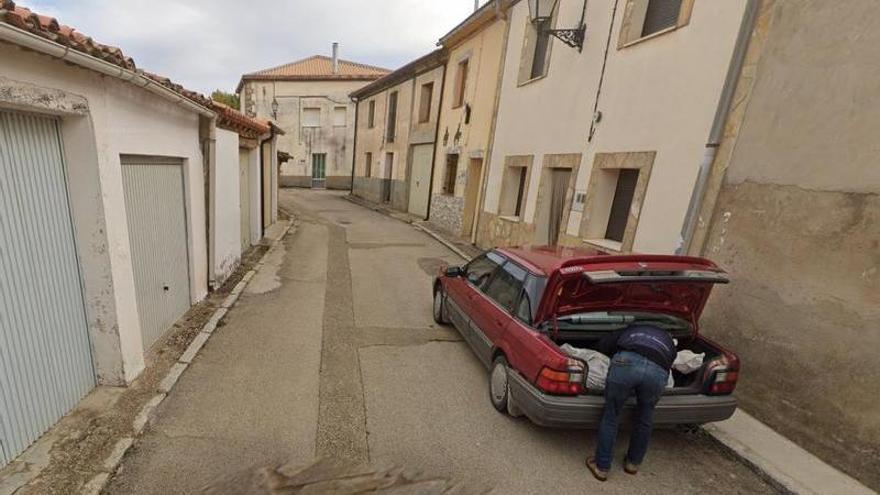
623	196
661	14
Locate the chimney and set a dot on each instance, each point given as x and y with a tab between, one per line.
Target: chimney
476	5
335	57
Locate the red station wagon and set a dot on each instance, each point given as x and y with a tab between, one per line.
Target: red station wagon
516	307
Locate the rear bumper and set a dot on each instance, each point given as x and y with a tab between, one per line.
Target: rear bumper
586	411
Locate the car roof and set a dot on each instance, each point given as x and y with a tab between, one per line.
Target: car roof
545	260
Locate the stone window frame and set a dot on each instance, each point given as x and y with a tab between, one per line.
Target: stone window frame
634	19
571	161
516	161
643	161
527	55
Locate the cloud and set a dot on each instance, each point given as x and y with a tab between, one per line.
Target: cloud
208	44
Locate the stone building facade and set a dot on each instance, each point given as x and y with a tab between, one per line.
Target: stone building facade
309	100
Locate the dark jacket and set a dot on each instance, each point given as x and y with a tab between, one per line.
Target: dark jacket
654	343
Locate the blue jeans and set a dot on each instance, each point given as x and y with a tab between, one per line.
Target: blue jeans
629	373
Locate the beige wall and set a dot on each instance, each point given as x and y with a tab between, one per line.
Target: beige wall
797	224
302	142
483	51
659	95
409	132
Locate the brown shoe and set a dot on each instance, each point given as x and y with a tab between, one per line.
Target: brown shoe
597	473
630	468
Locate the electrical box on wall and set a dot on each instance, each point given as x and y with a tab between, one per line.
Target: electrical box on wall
580	197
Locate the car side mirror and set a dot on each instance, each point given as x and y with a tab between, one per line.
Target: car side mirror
454	271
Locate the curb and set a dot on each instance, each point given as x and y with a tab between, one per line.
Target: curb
415	223
452	247
95	485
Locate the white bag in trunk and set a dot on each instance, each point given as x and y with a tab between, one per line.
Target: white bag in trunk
597	365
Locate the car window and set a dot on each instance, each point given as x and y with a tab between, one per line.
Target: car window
480	270
533	289
506	285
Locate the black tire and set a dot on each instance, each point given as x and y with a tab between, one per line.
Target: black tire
439	307
499	390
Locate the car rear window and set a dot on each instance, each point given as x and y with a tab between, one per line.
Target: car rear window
506	285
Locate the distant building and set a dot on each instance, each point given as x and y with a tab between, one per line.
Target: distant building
309	100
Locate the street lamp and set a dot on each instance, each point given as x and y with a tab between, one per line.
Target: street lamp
541	11
274	109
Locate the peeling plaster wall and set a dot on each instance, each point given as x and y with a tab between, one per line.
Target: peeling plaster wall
797	223
121	119
301	142
408	133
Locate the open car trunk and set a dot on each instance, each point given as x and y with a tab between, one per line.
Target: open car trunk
691	383
587	299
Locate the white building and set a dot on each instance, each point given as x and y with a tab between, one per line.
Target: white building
106	239
602	147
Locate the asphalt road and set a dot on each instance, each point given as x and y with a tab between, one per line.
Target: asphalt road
332	352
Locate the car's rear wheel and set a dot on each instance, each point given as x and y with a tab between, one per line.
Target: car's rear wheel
499	391
440	307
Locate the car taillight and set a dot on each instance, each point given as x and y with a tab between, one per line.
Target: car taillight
721	375
568	382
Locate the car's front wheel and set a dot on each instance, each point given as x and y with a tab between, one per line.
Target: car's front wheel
499	390
440	307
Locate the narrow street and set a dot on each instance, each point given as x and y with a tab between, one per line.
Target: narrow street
332	352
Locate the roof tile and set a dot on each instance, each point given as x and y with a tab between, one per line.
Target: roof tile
49	28
319	67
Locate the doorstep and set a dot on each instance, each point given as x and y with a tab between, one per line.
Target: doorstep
789	466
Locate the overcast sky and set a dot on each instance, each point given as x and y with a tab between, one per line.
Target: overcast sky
208	44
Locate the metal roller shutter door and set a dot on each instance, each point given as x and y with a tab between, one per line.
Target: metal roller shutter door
45	357
154	206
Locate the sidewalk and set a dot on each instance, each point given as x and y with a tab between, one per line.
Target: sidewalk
790	467
779	460
80	452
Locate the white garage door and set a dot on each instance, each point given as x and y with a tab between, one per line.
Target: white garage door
420	179
157	233
45	361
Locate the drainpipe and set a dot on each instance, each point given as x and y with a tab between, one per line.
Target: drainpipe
716	133
208	138
436	138
354	146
